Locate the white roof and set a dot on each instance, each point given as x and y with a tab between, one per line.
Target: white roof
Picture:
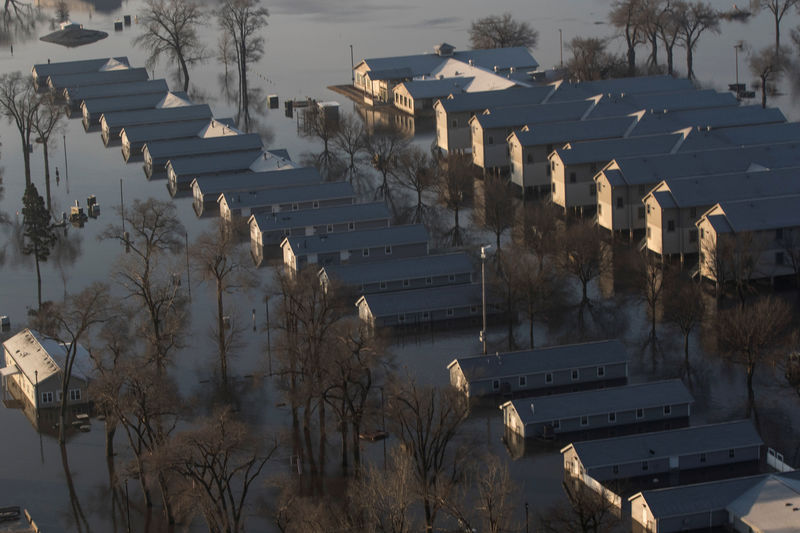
41	357
483	79
173	100
770	506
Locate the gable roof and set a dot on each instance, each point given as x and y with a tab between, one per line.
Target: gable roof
60	81
399	269
615	104
638	85
42	70
383	304
283	195
265	221
663	444
717	117
518	116
40	357
214	185
770	506
606	149
170	130
157	117
112	90
351	240
755	214
476	101
549	359
602	401
755	134
164	149
564	132
435	88
129	102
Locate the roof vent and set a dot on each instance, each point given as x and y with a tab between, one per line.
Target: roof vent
533	411
495	67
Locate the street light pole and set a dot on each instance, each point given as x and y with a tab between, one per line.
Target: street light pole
352	66
736	48
269	342
561	48
483	292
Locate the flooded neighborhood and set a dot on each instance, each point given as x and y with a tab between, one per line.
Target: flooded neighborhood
360	266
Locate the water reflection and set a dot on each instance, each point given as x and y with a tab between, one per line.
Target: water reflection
78	518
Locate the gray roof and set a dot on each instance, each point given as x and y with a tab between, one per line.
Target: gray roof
324	215
757	214
40	357
654	168
704	497
661	122
605	150
434	88
400	269
97	106
351	240
383	304
592	402
268	197
124	119
43	70
412	66
613	105
518	116
171	130
698	191
78	94
638	85
60	81
213	186
511	97
700	139
550	359
663	444
188	167
564	132
165	149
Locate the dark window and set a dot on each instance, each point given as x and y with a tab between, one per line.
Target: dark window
572	177
351	226
731	453
387	250
693	235
406	283
382	285
584	420
592	189
365	252
556	424
670	225
428	281
495	384
450	312
523	381
529	159
620	202
648	209
778	258
779	234
612	417
315	204
491	140
616	469
451	277
667	409
455	123
702	458
329	229
640	413
575	374
599	209
601	371
548	378
644	465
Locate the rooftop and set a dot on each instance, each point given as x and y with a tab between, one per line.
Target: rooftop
637	85
477	101
384	304
76	67
40	357
170	130
717	117
112	90
131	102
284	195
563	132
177	147
552	358
324	215
213	186
514	117
662	444
399	269
351	240
606	149
756	214
156	117
574	404
61	81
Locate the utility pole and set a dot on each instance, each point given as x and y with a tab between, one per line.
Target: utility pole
269	342
352	66
561	47
483	292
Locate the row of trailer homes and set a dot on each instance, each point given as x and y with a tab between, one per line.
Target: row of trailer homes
295	218
631	445
691	172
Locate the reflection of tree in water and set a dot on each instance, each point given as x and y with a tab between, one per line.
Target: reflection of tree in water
253	119
81	524
65	252
18	22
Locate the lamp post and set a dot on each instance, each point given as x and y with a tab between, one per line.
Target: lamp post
483	292
560	48
526	517
352	66
736	47
269	342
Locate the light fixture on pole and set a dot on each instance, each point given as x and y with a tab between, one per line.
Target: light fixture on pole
560	48
483	292
737	47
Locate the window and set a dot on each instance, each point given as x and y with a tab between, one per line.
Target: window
287	232
778	258
455	124
473	309
644	465
612	418
329	228
620	202
572	177
592	189
616	469
529	158
584	420
387	249
365	252
495	384
548	378
401	318
315	204
74	395
295	207
702	458
667	409
351	226
406	283
670	225
779	234
47	397
693	235
649	232
575	374
523	381
640	213
451	277
601	371
599	209
491	140
731	453
425	315
639	413
429	281
450	312
382	285
556	424
702	233
648	209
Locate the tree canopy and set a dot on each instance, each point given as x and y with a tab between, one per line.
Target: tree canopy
501	31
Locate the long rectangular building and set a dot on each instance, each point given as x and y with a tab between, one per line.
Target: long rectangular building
157	153
58	82
134	137
93	108
74	96
41	71
113	123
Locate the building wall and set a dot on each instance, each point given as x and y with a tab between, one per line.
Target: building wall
573	186
51	385
478	142
495	148
453	132
608	215
653	225
623	418
416	283
428	316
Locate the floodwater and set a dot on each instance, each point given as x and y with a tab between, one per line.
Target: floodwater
307	49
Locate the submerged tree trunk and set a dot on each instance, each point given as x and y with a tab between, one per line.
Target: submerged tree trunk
46	174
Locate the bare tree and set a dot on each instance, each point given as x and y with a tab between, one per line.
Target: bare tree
650	280
416	172
385	146
19	103
587	512
627	17
592	61
753	334
768	66
583	254
243	21
694	18
498	213
47	120
316	123
536	230
778	9
684	307
74	318
170	29
221	259
152	238
650	20
539	288
351	142
455	185
426	420
218	462
62	11
501	31
668	31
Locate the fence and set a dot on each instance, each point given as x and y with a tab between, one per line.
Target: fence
776	461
